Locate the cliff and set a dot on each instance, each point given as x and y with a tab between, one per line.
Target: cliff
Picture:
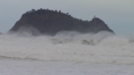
45	21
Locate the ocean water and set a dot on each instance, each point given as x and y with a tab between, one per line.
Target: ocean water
102	52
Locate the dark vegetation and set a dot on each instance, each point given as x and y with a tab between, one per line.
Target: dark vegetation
50	22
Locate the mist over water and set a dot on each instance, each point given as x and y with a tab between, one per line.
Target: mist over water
103	47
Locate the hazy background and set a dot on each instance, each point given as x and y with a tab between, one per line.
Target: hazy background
117	14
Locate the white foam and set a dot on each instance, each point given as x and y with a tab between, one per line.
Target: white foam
74	47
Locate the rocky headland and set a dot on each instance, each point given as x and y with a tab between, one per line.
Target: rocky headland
50	22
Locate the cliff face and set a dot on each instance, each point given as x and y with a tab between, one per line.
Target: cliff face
50	22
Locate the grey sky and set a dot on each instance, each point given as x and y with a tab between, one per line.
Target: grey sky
117	14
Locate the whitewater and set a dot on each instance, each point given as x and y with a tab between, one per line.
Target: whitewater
66	53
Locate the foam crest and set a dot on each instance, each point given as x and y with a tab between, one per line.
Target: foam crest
116	41
75	37
69	46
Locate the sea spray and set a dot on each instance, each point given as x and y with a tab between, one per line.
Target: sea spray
102	47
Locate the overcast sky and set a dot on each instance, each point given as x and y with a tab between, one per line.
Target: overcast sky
117	14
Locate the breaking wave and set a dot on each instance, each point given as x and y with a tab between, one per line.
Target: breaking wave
103	47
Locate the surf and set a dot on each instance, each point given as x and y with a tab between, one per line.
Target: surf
103	47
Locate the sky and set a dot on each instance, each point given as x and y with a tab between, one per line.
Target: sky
117	14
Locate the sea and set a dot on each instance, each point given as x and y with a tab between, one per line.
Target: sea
66	53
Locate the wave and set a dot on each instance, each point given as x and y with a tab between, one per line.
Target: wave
103	47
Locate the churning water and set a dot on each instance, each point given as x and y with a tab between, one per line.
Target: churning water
101	48
66	53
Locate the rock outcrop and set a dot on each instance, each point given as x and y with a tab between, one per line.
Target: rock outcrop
44	21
